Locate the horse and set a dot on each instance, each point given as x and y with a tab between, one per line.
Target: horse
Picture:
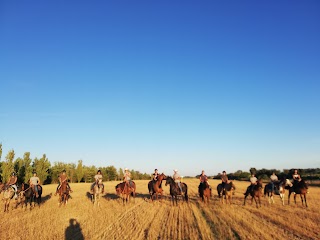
281	188
256	193
63	193
175	190
8	194
205	191
301	188
28	195
124	190
155	187
95	197
227	191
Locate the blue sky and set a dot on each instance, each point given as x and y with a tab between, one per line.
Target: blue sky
155	84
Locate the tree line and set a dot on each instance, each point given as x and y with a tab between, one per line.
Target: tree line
48	173
264	174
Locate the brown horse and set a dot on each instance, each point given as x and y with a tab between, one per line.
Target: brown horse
205	191
63	193
155	187
227	191
256	193
301	188
125	189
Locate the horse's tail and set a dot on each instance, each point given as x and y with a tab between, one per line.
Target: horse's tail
265	190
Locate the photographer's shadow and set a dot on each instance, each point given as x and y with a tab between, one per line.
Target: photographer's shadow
73	231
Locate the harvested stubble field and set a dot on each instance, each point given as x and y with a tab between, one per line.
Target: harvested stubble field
142	219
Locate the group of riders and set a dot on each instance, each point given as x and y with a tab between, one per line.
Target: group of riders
274	181
35	182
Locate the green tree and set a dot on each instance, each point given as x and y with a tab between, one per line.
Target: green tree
18	168
111	173
89	173
8	166
120	174
42	167
27	167
79	171
71	172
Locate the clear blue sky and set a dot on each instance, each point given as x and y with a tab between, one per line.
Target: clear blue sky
156	84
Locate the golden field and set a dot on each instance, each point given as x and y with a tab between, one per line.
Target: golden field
142	219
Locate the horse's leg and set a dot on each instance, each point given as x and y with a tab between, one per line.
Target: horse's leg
305	200
289	197
244	201
282	198
254	197
60	199
294	197
301	199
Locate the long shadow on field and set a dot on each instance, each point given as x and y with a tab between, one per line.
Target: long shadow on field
74	231
110	196
46	198
89	196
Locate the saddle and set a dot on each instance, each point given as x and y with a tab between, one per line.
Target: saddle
98	183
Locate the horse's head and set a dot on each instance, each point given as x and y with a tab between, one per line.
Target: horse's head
288	183
169	180
162	177
233	187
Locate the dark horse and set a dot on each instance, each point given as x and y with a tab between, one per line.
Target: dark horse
63	193
124	190
28	195
155	186
175	190
256	193
205	191
299	187
227	191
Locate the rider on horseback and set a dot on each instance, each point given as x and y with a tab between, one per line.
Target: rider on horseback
296	176
155	175
203	179
273	180
297	179
177	178
224	179
12	183
98	181
253	181
34	182
63	178
127	178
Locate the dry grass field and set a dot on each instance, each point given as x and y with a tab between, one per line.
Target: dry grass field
142	219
